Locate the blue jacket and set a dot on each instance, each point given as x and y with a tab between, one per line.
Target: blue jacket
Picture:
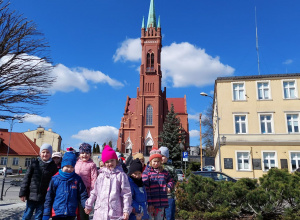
139	200
63	196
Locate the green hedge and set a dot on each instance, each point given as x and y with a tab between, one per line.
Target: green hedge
276	196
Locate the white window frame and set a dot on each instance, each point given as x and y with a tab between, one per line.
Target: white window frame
4	160
295	85
15	161
149	115
246	123
290	156
286	122
28	161
269	89
263	160
249	158
232	89
272	122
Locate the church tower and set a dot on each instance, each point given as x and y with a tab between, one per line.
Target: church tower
144	115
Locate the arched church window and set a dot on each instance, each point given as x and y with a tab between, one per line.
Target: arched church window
148	60
152	62
149	115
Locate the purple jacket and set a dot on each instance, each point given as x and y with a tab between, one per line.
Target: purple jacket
112	194
88	173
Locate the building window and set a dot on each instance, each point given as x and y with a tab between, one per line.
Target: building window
27	162
263	90
240	124
15	161
266	124
149	115
3	160
292	123
243	160
150	62
269	160
289	89
238	91
148	149
295	160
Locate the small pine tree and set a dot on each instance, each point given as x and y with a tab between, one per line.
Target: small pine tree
97	148
110	144
94	148
172	135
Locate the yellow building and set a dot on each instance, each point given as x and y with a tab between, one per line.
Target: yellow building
259	116
41	136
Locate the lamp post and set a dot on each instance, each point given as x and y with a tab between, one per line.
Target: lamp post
4	175
219	146
201	164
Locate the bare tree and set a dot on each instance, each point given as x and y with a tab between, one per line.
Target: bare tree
25	68
208	134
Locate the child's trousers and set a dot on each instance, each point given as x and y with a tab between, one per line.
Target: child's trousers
158	214
30	207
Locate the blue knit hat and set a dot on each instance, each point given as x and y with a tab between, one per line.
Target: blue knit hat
164	151
46	147
69	158
85	148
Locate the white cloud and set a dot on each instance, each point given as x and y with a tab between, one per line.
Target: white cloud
130	49
183	64
37	120
288	61
186	65
194	133
194	116
78	78
99	134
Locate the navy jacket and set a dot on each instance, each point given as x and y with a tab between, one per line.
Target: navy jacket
139	200
63	196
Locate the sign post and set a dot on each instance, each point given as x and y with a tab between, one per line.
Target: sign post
185	158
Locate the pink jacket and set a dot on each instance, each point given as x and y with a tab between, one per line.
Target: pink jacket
112	194
88	173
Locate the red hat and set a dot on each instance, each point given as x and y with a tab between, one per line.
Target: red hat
108	153
155	153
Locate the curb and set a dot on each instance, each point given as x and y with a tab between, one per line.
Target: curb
11	205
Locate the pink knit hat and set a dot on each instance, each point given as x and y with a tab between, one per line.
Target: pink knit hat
108	153
155	153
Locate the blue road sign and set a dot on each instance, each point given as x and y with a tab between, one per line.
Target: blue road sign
185	156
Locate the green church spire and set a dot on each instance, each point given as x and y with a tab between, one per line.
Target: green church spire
151	16
158	23
143	22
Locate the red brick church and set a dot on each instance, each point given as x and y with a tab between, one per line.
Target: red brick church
144	115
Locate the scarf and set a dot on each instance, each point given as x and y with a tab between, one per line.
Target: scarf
138	182
65	175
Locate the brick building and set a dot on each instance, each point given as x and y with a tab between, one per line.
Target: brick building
144	115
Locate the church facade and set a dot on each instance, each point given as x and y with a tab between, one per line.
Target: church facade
144	115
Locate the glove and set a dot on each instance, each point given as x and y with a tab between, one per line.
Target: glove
46	217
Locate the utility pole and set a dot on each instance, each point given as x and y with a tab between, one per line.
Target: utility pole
201	164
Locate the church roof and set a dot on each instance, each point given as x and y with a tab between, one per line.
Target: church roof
179	104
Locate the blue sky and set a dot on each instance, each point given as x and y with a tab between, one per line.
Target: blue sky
95	48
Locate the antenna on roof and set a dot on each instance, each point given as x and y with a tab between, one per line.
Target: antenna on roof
257	43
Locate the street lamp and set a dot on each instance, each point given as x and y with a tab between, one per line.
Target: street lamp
12	122
219	146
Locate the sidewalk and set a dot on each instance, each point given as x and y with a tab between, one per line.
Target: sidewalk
11	209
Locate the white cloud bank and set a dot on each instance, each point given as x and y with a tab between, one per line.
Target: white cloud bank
37	120
183	64
288	61
69	79
194	133
99	134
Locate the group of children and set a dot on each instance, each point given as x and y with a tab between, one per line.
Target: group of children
64	189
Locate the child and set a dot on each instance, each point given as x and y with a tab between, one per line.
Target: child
56	157
65	190
122	162
170	211
112	191
158	183
35	183
87	170
138	191
142	159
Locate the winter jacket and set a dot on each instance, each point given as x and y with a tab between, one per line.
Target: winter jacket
139	200
63	196
36	180
88	173
156	184
112	194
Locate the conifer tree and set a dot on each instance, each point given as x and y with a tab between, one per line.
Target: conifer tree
94	148
110	144
97	148
172	135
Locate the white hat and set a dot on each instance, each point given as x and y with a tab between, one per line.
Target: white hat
56	154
